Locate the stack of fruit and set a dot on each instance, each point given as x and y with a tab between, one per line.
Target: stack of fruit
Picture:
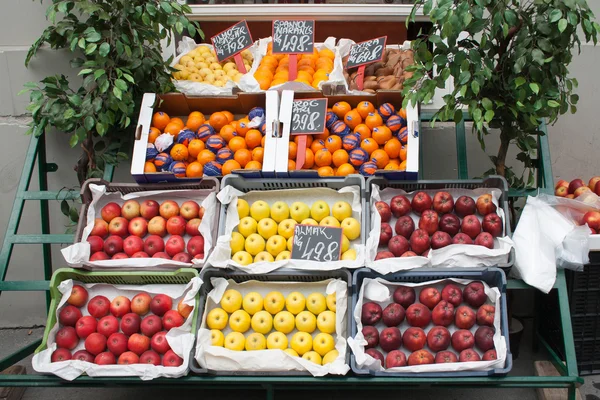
266	234
387	74
201	65
576	188
136	230
276	322
363	139
438	221
312	68
430	326
198	147
114	332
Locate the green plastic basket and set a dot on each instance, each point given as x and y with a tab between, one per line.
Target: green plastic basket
178	277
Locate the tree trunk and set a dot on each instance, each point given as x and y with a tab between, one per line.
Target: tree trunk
87	160
501	157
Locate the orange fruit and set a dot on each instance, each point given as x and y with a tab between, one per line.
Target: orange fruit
317	145
304	75
308	62
322	136
154	133
325	171
194	123
363	131
179	152
218	120
391	166
195	147
278	81
229	166
333	143
309	139
291	165
269	61
403	153
160	120
364	108
402	113
229	116
309	159
341	108
352	118
177	121
369	145
253	165
309	70
292	150
395	161
243	156
264	83
243	127
381	134
149	167
325	52
173	129
237	143
380	157
194	170
323	158
257	154
339	157
228	132
190	158
206	156
262	141
392	147
402	166
253	138
373	120
197	114
307	82
345	170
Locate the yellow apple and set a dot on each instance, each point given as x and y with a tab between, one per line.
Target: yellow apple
351	228
309	221
239	321
326	321
237	242
276	244
331	302
267	228
323	343
319	210
313	356
316	303
306	322
231	300
330	221
341	210
299	211
290	243
242	258
301	342
277	340
286	228
280	211
330	357
216	338
259	210
295	302
255	244
247	226
284	322
256	341
264	256
349	255
345	243
274	302
243	208
284	255
235	341
262	322
216	319
252	303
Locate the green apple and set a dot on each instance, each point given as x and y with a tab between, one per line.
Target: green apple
319	210
299	211
255	244
309	221
286	228
330	221
351	228
276	244
243	208
259	210
242	257
280	211
341	210
237	242
247	226
267	228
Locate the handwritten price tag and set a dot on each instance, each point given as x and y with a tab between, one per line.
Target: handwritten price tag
308	117
317	243
293	37
232	40
367	52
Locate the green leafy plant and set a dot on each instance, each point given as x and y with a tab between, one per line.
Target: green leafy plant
509	61
116	47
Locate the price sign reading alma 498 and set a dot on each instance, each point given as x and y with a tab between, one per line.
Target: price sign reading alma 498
366	52
308	116
232	40
317	243
293	37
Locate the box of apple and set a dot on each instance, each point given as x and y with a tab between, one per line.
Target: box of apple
120	330
171	228
450	227
277	327
446	325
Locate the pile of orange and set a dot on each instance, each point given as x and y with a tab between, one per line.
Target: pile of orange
386	147
312	68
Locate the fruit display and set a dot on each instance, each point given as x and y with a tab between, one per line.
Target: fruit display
212	145
430	323
356	140
589	212
577	187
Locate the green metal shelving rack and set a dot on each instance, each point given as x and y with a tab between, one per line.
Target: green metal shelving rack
37	152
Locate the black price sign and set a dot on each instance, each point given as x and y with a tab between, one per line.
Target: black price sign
366	52
293	37
232	40
308	116
317	243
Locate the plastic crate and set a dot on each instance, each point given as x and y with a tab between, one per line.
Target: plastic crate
280	275
492	182
178	277
494	277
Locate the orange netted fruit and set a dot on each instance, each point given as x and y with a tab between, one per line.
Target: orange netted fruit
179	152
340	109
243	156
218	120
253	138
194	170
392	147
229	166
339	157
195	147
237	143
380	157
160	120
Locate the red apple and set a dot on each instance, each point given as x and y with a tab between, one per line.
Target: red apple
130	324
443	313
157	226
100	228
192	227
151	325
83	355
570	196
133	244
445	357
489	355
119	256
110	211
184	309
99	256
105	358
395	358
418	315
69	315
189	209
170	359
421	201
390	339
404	295
138	343
592	218
385	212
386	234
130	209
160	304
409	254
474	294
201	212
464	206
400	205
172	319
575	184
120	306
462	238
438	338
485	204
376	354
430	297
98	306
420	357
597	188
452	294
561	192
176	225
95	343
78	297
168	209
468	355
371	313
443	202
118	227
492	224
398	245
117	343
371	335
419	241
393	314
175	244
108	325
486	314
464	317
471	226
138	227
86	326
161	254
450	224
384	254
405	226
592	183
149	209
66	338
429	221
140	304
140	254
96	244
150	357
195	246
159	342
128	358
484	338
153	244
60	355
113	245
440	239
561	183
462	339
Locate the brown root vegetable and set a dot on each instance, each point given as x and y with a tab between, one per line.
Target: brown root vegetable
370	70
371	85
397	86
369	90
387	82
370	78
384	71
